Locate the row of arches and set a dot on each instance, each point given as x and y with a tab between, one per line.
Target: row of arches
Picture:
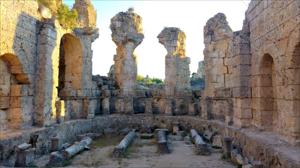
13	79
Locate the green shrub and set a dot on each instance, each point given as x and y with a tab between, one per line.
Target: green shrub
148	81
66	17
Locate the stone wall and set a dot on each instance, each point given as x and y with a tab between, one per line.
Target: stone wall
257	67
18	45
218	40
270	152
31	56
274	37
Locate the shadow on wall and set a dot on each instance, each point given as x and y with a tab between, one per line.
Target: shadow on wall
17	67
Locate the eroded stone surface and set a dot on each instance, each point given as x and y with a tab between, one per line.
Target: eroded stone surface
176	63
86	13
127	34
252	79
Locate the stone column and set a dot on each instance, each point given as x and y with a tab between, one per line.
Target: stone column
87	33
87	15
44	78
177	73
127	34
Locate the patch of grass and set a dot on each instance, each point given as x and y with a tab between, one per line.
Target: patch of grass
66	163
106	141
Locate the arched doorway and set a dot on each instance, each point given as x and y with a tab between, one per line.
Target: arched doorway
70	65
267	93
294	87
12	82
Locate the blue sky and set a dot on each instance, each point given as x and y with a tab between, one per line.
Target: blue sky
189	16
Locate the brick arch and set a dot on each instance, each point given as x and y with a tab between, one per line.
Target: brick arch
267	93
15	68
70	65
12	81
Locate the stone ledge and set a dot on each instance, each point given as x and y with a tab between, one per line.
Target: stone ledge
264	146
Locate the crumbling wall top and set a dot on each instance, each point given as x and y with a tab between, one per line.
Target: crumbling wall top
174	41
127	26
87	15
217	28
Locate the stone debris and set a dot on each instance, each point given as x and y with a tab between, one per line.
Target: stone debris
59	158
201	148
24	146
237	158
251	82
217	141
121	148
77	147
162	141
25	155
227	147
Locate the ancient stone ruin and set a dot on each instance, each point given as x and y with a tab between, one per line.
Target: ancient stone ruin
51	106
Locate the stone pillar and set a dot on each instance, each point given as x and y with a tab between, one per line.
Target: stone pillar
44	78
218	40
105	106
177	73
106	94
169	107
127	34
25	155
87	37
242	110
148	106
86	13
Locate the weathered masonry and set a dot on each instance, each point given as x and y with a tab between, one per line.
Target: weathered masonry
252	79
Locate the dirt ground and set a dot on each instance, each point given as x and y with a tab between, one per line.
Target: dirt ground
143	154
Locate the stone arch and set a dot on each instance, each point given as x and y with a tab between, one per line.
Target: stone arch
70	65
293	78
267	93
13	84
15	68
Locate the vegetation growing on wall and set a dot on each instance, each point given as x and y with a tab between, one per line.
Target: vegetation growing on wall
67	17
